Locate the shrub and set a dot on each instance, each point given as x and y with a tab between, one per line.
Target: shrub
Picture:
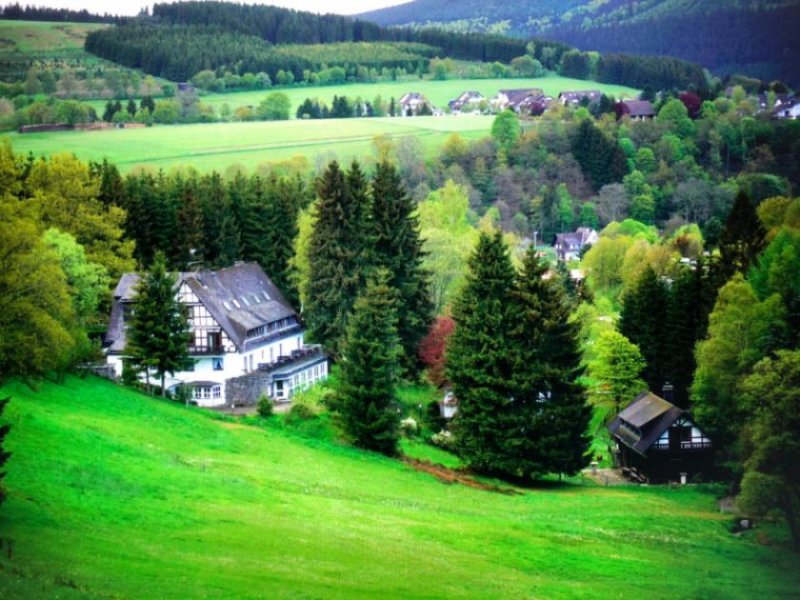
265	407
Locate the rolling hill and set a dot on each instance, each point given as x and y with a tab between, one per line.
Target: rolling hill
116	495
727	36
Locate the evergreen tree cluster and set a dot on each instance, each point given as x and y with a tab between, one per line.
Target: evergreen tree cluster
207	220
184	38
341	107
514	362
666	320
601	159
359	229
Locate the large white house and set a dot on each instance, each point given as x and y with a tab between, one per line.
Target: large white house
247	339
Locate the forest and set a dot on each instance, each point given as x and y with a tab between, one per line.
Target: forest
753	38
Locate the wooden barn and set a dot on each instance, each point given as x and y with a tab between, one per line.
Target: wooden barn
657	442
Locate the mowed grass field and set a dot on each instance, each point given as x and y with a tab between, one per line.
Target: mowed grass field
116	495
45	39
218	146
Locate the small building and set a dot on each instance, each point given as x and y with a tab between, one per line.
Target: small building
448	406
657	442
577	97
517	100
247	340
413	104
467	101
568	246
637	110
790	109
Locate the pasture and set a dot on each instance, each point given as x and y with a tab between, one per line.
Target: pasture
46	40
218	146
438	92
116	495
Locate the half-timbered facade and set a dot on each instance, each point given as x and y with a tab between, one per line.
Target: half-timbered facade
657	441
241	324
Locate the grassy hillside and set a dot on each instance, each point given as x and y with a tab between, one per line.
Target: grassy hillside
23	43
220	145
116	495
43	39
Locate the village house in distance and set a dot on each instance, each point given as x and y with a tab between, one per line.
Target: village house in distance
247	339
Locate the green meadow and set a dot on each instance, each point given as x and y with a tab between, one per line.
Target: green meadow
116	495
217	146
438	92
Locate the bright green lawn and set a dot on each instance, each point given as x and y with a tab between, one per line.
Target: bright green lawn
219	145
115	495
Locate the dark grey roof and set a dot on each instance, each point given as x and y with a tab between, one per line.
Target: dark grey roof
516	97
240	298
639	108
235	298
643	421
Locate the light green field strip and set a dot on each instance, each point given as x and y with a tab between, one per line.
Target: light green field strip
220	145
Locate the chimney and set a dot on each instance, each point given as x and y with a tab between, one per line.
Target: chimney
667	391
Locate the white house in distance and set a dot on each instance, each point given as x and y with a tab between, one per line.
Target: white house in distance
568	246
413	103
247	339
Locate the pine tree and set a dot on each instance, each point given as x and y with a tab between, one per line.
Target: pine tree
4	456
643	320
365	398
480	360
398	248
691	299
742	239
188	246
158	335
338	254
287	197
229	239
549	420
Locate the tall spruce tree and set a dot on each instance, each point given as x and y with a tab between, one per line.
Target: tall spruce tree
365	397
743	238
549	417
480	358
398	248
158	336
339	254
643	320
691	298
287	197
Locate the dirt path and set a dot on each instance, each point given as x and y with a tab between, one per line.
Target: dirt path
450	476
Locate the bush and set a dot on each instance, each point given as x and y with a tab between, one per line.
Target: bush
300	411
265	407
409	427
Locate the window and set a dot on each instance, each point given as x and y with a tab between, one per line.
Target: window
216	364
214	339
206	392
